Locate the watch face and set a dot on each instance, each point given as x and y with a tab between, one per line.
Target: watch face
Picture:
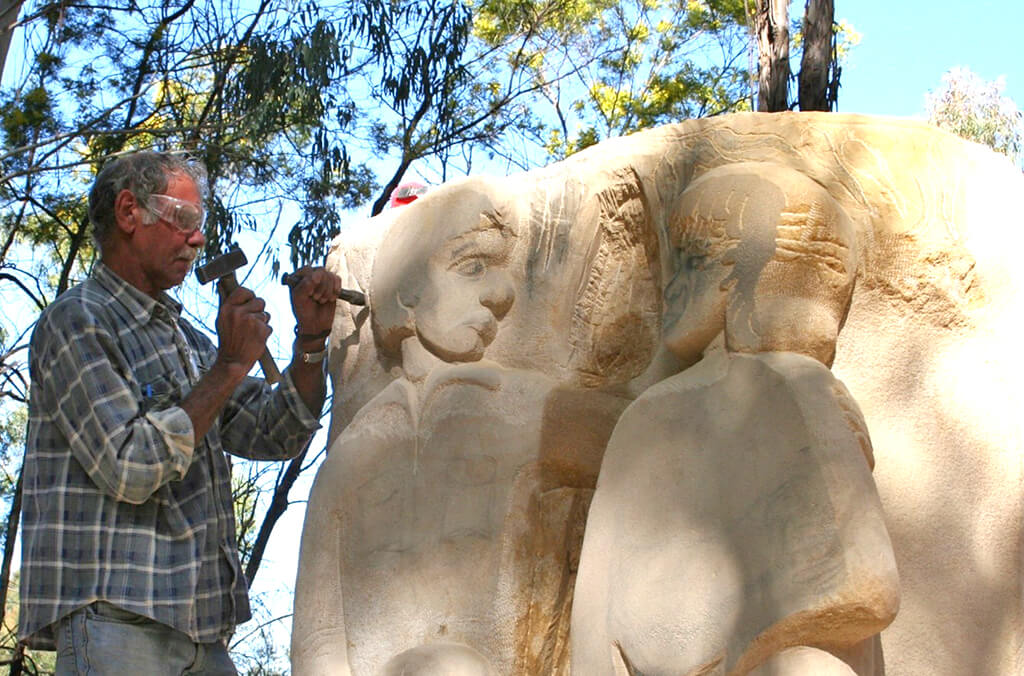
314	357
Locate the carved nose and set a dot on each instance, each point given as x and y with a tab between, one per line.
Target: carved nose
498	298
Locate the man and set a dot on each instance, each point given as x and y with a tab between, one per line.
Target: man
130	562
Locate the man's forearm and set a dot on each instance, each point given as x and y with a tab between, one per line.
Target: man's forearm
206	400
309	378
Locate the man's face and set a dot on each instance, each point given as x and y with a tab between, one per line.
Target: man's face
466	292
164	253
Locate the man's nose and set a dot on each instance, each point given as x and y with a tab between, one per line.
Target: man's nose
196	238
498	297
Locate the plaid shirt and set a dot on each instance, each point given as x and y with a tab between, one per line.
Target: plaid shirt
119	503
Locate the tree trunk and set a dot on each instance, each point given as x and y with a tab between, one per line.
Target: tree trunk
772	55
278	504
8	17
13	519
818	58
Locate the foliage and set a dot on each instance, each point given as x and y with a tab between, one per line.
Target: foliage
258	651
33	661
631	64
976	110
456	95
12	443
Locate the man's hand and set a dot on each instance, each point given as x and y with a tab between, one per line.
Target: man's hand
242	331
243	327
313	300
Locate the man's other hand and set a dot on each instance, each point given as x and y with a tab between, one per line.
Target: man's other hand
313	300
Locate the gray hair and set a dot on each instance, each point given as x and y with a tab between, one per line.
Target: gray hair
144	173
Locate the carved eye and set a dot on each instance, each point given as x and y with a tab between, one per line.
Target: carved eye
470	267
696	262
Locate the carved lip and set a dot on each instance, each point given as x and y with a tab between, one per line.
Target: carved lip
486	328
488	332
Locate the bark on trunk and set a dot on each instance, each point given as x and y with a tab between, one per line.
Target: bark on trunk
814	88
8	17
773	55
13	519
278	504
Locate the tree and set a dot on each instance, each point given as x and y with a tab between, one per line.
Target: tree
772	21
607	68
816	39
8	16
819	69
976	110
441	94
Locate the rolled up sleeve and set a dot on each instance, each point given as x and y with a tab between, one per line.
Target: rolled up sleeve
126	451
262	422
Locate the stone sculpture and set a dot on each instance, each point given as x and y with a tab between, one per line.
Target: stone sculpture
455	495
758	527
698	274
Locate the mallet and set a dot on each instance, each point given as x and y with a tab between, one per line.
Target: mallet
223	268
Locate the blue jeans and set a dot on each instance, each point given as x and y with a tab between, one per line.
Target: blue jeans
103	640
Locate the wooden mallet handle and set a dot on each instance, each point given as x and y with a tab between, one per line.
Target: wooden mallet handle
227	284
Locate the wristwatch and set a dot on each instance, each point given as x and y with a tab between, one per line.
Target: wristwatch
313	357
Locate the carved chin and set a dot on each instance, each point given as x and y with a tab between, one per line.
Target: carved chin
462	344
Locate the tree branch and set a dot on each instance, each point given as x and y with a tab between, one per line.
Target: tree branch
278	505
11	278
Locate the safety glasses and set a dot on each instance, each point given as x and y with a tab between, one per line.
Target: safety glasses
185	216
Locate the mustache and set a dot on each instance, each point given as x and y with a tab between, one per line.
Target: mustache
189	255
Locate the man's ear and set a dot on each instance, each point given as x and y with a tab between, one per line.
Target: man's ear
127	211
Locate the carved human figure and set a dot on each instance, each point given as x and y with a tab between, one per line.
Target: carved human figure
440	289
443	530
735	515
440	283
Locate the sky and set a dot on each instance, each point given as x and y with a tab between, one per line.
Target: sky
907	45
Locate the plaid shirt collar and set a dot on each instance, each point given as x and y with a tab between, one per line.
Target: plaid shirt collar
141	306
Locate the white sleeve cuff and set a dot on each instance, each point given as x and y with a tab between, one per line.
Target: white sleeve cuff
174	425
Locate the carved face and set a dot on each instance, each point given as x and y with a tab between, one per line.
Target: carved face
705	232
695	304
763	254
440	278
467	290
